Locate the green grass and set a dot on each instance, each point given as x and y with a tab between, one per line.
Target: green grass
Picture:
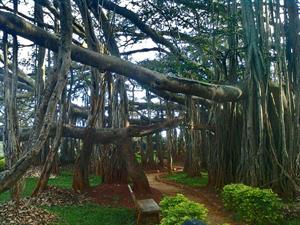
64	180
79	214
93	214
182	178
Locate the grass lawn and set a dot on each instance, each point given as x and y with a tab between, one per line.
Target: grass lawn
75	214
182	178
64	180
93	214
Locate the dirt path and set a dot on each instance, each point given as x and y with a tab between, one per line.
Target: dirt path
216	215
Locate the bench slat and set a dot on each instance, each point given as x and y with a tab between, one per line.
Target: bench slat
148	205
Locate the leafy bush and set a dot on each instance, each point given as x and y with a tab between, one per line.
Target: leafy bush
177	209
2	164
254	205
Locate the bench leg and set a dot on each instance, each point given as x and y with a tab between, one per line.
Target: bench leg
158	218
138	218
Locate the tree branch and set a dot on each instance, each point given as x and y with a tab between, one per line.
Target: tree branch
221	93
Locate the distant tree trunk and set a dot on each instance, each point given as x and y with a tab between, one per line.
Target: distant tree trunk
159	150
149	153
181	143
67	154
169	142
150	163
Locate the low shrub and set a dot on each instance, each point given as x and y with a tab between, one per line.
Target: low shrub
177	209
2	164
252	204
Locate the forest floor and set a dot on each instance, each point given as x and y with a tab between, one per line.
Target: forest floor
217	215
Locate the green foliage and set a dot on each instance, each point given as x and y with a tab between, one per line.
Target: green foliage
92	214
182	178
2	163
254	205
177	209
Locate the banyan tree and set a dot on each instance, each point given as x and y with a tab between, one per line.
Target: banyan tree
105	78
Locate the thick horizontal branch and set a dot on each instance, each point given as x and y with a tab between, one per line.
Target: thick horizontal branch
107	135
221	93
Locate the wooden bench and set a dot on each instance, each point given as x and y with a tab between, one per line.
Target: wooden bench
145	207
